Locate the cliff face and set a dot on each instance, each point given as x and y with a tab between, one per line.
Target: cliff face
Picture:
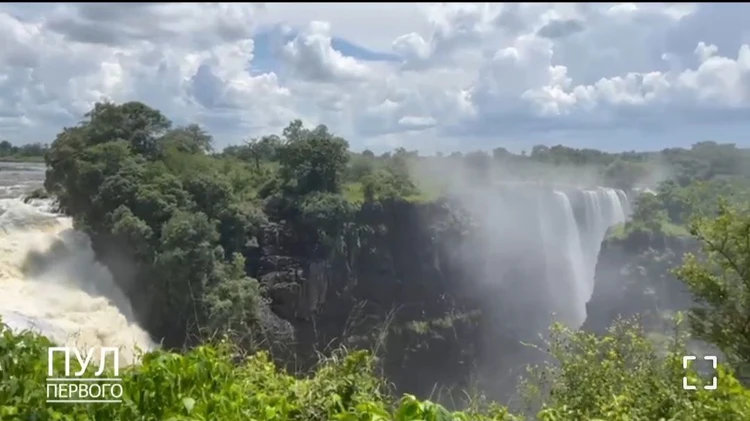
426	286
391	281
633	277
445	293
446	296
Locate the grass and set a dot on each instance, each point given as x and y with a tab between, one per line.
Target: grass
15	158
621	231
354	192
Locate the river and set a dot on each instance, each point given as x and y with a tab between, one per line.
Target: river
50	281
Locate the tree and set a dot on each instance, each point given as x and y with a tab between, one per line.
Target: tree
313	160
383	184
25	151
294	132
624	376
82	157
134	122
623	174
153	196
540	153
191	139
263	149
6	148
649	209
360	167
499	154
720	283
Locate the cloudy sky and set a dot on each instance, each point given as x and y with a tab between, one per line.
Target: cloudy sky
614	76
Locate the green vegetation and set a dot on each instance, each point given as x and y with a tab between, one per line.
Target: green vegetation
620	376
33	152
665	225
720	281
698	179
187	220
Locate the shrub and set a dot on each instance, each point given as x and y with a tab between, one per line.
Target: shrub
620	376
207	383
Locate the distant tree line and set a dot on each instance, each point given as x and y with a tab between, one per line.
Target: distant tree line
30	150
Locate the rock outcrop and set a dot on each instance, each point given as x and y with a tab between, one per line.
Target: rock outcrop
633	277
393	282
444	295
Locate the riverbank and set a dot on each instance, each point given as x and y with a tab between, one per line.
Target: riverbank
23	159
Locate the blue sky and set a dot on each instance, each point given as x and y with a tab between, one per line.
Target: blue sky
431	77
265	59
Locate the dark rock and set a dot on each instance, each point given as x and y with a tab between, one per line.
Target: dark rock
633	277
410	274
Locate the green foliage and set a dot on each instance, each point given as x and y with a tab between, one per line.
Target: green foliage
706	160
313	160
178	213
360	166
621	376
648	211
23	153
189	139
189	221
383	184
214	382
670	209
624	174
720	282
262	150
325	211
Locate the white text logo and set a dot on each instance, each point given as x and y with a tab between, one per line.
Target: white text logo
74	387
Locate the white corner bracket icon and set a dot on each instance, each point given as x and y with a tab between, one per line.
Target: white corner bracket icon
714	380
686	362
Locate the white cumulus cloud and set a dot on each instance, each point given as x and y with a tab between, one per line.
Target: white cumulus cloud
424	76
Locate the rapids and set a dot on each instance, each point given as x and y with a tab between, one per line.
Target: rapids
49	279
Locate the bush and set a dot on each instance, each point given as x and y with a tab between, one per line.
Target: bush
207	383
617	377
622	376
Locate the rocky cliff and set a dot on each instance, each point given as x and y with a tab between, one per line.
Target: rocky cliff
446	296
633	277
392	281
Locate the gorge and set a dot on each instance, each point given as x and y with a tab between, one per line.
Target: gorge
457	283
450	270
291	256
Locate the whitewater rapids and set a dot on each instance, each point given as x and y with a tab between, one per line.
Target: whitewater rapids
50	281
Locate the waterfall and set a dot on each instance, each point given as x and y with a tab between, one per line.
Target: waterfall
545	242
569	244
574	256
50	281
603	208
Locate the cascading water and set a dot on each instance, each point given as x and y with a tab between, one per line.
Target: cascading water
545	239
49	279
529	263
574	256
602	209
